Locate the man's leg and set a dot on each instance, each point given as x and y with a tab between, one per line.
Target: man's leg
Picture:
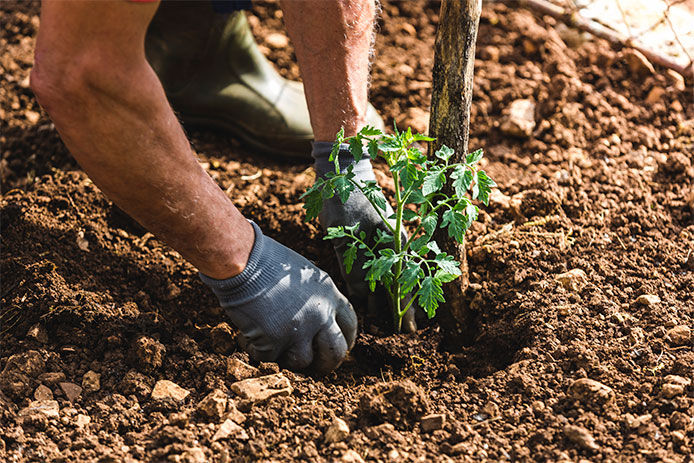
333	47
92	77
333	41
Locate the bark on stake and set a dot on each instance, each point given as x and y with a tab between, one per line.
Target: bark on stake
454	61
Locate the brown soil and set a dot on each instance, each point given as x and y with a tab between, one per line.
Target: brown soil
603	185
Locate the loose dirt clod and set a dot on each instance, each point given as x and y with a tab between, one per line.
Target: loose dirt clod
48	408
580	436
337	431
261	389
165	389
213	405
648	300
591	393
230	429
680	335
43	393
149	353
71	390
238	370
397	402
91	381
520	118
433	422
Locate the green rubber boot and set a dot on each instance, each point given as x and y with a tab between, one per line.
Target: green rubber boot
215	75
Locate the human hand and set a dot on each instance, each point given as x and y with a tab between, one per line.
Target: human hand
287	309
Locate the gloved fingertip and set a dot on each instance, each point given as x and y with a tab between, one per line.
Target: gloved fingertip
297	357
330	348
346	319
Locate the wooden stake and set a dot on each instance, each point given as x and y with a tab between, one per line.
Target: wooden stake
451	98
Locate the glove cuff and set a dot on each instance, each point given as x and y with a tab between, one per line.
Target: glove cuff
322	163
259	273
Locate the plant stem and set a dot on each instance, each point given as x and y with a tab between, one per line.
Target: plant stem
398	249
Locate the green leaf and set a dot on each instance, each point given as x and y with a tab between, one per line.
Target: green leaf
373	193
342	187
408	215
339	138
455	221
430	295
349	257
482	187
448	264
389	144
434	247
370	131
334	233
409	176
421	137
416	197
444	277
410	277
462	179
356	148
372	148
433	181
429	223
416	156
313	203
444	153
474	157
472	211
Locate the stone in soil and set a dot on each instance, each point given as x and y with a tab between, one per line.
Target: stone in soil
230	429
43	393
149	353
520	118
17	379
82	420
239	370
591	393
165	389
51	378
222	338
397	402
91	381
71	390
261	389
38	333
213	405
48	408
680	335
671	391
433	422
572	280
337	431
350	456
581	437
648	300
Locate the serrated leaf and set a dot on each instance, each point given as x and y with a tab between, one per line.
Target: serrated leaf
409	176
444	277
408	215
343	187
389	144
444	153
373	193
433	181
421	137
356	148
416	156
372	148
455	221
416	197
370	131
430	295
448	264
434	247
334	233
429	223
349	257
474	157
472	211
313	203
383	237
482	187
462	180
409	277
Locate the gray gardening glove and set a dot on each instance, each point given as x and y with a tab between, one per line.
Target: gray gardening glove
357	209
287	309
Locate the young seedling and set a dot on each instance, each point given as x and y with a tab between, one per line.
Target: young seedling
413	265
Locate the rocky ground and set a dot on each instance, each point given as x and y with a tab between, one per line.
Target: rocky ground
582	276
